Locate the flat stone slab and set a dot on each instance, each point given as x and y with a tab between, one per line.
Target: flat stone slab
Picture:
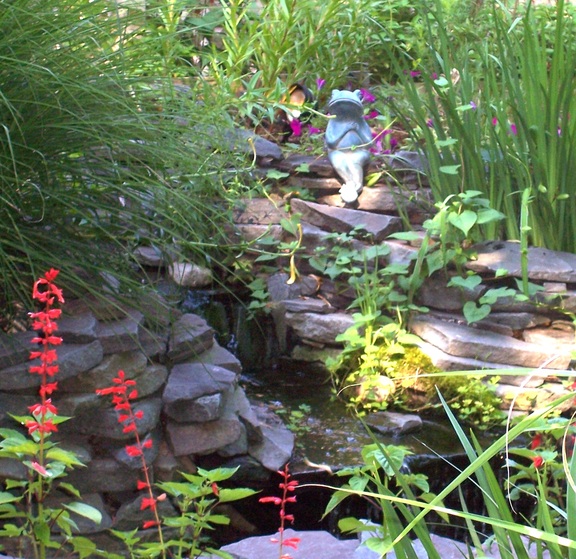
463	341
543	264
319	328
258	211
344	220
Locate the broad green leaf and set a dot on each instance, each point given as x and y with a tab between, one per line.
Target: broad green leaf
469	282
219	519
84	510
274	174
6	497
449	169
351	524
474	313
227	495
447	142
65	456
463	221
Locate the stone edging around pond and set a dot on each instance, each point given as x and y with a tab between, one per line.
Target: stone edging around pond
536	336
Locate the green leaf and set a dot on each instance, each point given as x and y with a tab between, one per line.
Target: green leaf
6	497
219	519
65	456
447	142
474	313
463	221
84	510
303	168
351	524
449	169
227	495
469	282
274	174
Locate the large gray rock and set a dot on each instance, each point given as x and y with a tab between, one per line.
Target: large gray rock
104	475
191	335
121	335
104	422
274	449
543	264
344	220
73	359
217	355
319	328
194	392
78	329
394	424
202	438
133	363
15	348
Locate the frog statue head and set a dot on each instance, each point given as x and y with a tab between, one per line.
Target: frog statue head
348	138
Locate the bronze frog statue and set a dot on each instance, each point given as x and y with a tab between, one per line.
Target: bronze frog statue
348	138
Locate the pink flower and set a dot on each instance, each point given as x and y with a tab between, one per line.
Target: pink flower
494	121
513	129
367	96
296	127
39	468
313	130
372	114
320	83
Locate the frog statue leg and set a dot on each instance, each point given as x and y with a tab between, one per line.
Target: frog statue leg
350	164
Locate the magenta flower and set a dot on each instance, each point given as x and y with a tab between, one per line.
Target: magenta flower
296	127
367	97
494	121
513	129
320	83
313	130
372	114
473	105
415	73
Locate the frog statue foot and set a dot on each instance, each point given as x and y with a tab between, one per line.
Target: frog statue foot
348	138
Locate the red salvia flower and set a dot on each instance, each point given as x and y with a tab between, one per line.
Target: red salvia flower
287	485
122	392
538	461
536	441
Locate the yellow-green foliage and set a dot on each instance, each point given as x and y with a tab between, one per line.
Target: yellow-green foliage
406	378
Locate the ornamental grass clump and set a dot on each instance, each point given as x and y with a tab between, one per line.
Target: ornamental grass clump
496	116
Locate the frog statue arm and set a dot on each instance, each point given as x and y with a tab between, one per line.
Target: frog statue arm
348	139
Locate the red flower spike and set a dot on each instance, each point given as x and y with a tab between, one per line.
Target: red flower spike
150	524
292	542
147	443
142	485
536	441
148	502
133	451
538	461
